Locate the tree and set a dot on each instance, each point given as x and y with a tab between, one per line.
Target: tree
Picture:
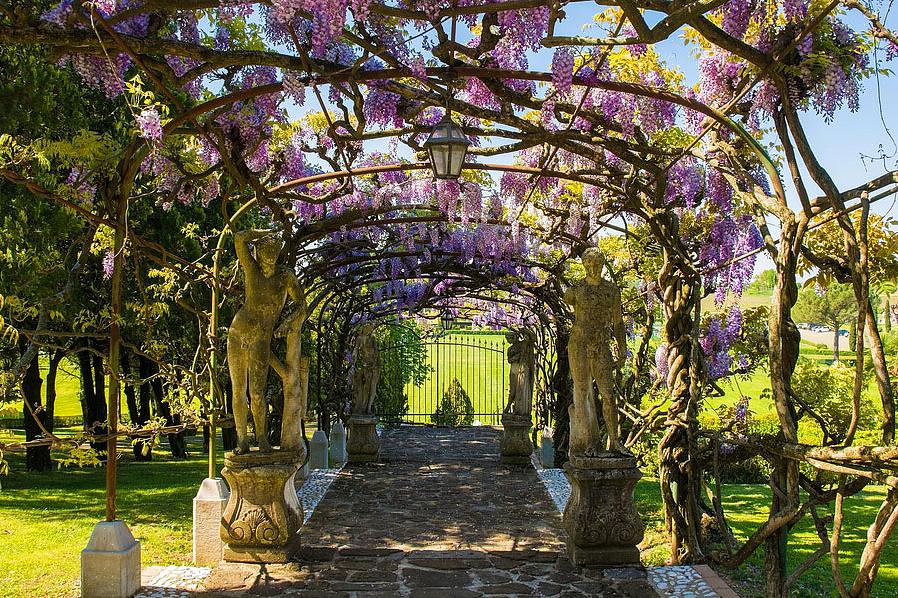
834	306
455	408
763	282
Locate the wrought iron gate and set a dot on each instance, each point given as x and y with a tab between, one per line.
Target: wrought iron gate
476	362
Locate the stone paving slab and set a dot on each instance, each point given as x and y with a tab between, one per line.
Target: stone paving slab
439	516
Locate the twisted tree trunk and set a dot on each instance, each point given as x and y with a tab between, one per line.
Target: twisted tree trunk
784	347
680	480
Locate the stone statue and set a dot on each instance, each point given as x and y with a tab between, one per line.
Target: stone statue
249	337
365	371
294	374
520	377
597	347
363	443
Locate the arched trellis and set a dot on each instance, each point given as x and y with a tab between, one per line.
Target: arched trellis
674	16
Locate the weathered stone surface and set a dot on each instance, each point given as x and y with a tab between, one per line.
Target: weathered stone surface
110	563
363	444
597	346
208	507
267	286
262	518
318	450
516	446
547	449
601	520
337	442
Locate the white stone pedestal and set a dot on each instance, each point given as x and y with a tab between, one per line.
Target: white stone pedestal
318	450
110	564
208	507
337	443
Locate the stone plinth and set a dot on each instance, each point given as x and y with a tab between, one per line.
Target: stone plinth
337	441
547	449
318	450
601	520
208	507
516	446
363	444
262	519
110	564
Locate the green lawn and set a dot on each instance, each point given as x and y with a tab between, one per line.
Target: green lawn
68	389
46	518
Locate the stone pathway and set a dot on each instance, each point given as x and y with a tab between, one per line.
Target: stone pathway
438	516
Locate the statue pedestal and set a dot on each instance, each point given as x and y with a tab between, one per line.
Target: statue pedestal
363	444
516	446
261	521
600	518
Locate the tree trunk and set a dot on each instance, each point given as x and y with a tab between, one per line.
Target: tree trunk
561	388
228	431
680	481
50	393
37	458
883	382
138	402
836	343
148	374
93	396
886	313
785	343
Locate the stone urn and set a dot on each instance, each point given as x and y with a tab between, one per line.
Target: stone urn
363	443
515	446
600	518
261	521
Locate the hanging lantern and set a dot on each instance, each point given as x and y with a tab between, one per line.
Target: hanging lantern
447	147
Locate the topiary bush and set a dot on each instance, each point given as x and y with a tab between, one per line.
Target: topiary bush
455	408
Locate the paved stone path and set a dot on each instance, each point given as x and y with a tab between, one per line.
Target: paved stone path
439	516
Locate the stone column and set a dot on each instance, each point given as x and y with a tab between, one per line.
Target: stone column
547	448
337	442
318	450
208	507
110	564
363	445
516	446
262	519
600	518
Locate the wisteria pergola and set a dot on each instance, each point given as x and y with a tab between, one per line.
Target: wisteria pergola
312	115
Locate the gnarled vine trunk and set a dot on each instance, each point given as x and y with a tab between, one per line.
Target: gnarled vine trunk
680	480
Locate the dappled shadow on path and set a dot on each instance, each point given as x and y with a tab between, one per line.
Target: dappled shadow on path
439	516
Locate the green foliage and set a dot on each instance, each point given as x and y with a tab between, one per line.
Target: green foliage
828	390
834	307
403	360
455	408
762	283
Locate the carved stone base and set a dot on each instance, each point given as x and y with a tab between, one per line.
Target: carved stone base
363	443
516	446
261	521
601	520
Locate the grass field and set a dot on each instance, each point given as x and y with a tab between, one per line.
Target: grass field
478	362
46	519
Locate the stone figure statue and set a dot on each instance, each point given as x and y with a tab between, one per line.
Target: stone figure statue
249	337
597	347
520	377
365	371
294	374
